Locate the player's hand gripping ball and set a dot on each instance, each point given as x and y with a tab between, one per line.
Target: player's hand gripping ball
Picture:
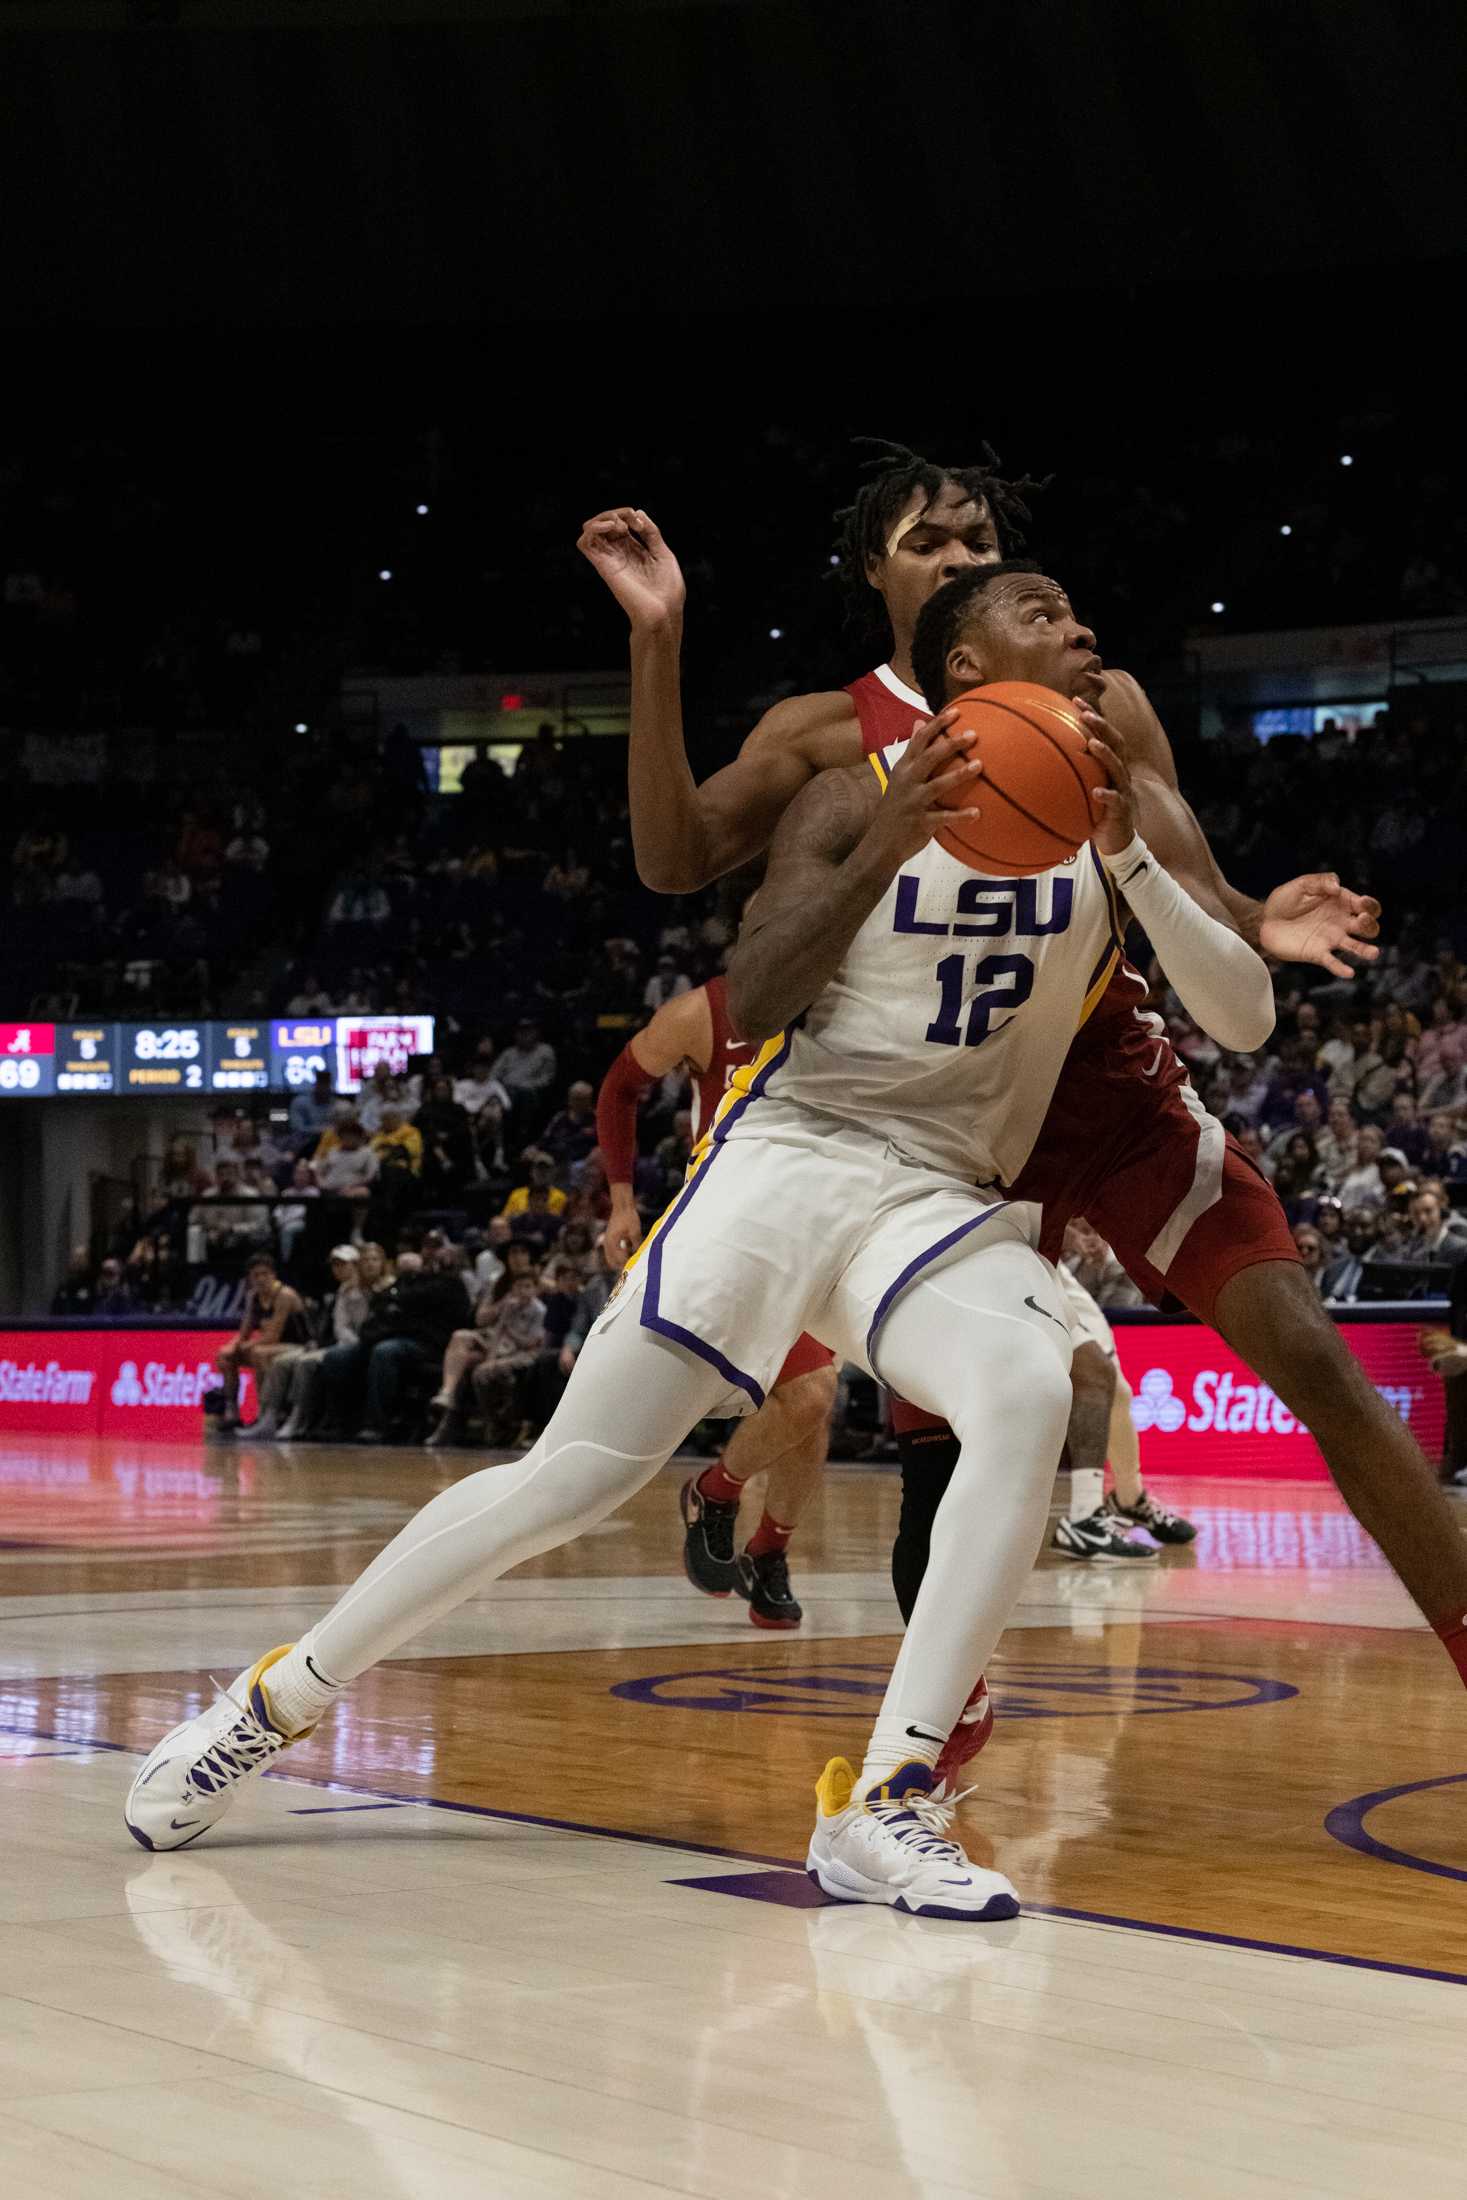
1038	777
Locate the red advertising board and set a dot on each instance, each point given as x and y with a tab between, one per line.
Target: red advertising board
1200	1410
110	1382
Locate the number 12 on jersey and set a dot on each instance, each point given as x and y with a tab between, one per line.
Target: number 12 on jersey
1009	980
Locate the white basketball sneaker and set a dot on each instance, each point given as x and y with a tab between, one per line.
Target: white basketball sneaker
893	1845
192	1777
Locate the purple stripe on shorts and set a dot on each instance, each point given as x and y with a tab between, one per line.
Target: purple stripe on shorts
652	1316
915	1267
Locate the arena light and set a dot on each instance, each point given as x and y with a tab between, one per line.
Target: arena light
1346	459
834	558
421	510
1286	529
776	633
301	726
385	574
1219	606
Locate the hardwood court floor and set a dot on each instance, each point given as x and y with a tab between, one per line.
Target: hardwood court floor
527	1916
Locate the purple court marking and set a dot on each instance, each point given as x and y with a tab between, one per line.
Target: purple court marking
327	1810
1024	1688
1346	1823
783	1868
793	1890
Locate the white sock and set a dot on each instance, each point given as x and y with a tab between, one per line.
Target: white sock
898	1741
1087	1489
297	1690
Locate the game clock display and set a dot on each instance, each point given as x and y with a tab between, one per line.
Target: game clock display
163	1057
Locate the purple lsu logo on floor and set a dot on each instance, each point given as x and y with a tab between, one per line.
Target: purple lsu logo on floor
1023	1688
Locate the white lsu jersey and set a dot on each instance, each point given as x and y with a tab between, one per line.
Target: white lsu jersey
946	1026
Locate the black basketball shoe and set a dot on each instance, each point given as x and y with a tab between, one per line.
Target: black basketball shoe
708	1546
1167	1527
764	1582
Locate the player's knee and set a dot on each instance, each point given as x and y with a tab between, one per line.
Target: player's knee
1273	1317
808	1400
1027	1383
1092	1375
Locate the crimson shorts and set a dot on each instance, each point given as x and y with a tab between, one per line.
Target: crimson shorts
1128	1145
804	1358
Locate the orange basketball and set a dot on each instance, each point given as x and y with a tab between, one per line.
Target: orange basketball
1034	792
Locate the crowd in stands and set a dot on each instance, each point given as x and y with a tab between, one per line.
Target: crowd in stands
228	858
437	1237
1357	1112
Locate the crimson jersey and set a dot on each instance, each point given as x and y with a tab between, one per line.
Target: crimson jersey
1126	1142
729	1053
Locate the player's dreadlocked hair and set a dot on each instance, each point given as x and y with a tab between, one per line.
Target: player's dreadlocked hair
942	619
892	475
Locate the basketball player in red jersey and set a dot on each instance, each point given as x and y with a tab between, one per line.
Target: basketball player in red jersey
1126	1140
788	1437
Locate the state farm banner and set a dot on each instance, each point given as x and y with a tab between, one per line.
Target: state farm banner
1199	1410
110	1382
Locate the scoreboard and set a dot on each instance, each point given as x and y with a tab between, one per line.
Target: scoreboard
163	1058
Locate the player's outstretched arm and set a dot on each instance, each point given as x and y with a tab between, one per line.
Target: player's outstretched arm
1308	919
685	835
1217	976
838	848
681	1031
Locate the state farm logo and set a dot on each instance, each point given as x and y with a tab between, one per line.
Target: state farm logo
1155	1405
1226	1407
161	1385
28	1383
127	1390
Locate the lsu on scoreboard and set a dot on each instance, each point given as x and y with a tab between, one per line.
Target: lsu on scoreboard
280	1055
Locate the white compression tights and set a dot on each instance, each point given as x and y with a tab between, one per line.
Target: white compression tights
953	1343
960	1345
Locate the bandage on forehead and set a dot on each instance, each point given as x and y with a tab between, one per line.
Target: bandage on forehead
904	527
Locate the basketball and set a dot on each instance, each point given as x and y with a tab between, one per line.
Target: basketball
1037	779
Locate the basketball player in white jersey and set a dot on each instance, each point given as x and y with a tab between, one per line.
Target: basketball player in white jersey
840	1192
1132	1149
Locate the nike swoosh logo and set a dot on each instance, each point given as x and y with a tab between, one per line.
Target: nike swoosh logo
1044	1310
178	1824
310	1668
920	1734
1153	1066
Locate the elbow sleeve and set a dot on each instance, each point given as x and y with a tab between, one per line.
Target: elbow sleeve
1223	985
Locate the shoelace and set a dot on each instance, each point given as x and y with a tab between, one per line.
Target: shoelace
235	1755
932	1818
718	1522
